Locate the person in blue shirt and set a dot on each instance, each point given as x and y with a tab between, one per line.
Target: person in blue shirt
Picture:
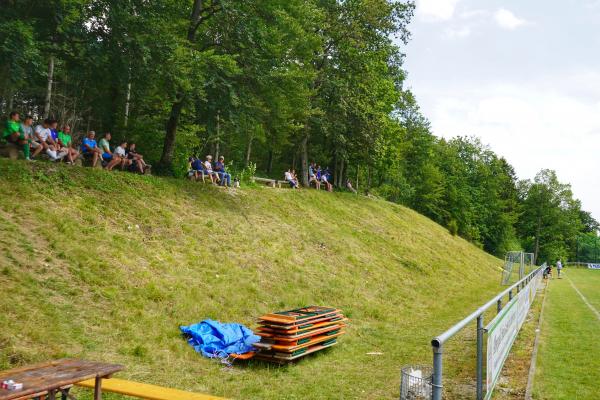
219	168
323	176
196	167
89	148
312	176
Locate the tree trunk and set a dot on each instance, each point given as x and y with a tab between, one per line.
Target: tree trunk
270	162
218	139
166	159
537	238
10	100
335	168
248	151
368	178
340	182
304	159
127	100
49	87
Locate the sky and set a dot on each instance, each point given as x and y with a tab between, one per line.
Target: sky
524	76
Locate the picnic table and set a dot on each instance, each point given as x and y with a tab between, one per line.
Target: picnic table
54	378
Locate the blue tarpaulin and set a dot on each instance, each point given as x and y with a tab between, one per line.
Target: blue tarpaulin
215	339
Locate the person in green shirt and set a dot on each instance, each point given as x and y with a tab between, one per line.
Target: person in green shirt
14	134
66	144
104	145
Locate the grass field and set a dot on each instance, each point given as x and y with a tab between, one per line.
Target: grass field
107	266
568	363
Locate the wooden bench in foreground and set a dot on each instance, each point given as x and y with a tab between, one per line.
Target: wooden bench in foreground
146	391
52	379
269	182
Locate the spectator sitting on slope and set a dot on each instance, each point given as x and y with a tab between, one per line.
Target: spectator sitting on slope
65	141
43	140
27	131
323	178
137	160
59	152
196	168
219	168
104	145
312	176
214	177
89	148
289	178
13	133
118	157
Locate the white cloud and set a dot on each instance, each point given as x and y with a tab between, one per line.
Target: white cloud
470	14
535	125
507	20
457	33
436	10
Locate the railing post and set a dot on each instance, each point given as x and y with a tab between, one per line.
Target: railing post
436	393
510	295
499	306
480	357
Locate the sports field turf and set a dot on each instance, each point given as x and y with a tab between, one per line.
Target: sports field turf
568	364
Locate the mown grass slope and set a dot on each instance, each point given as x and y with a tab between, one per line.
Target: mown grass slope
108	265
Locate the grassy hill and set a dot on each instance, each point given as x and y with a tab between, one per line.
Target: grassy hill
107	266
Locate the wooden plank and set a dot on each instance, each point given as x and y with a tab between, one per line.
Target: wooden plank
299	330
314	340
277	357
146	391
293	338
300	324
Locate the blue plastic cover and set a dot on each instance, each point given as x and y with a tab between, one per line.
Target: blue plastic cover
215	339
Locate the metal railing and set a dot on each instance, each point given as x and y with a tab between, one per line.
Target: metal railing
437	343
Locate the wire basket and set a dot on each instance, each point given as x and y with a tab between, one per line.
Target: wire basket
416	382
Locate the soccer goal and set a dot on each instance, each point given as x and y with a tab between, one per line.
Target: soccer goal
517	264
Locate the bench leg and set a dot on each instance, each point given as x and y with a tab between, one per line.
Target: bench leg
65	395
98	389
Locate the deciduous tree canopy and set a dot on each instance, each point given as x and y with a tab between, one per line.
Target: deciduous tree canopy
278	84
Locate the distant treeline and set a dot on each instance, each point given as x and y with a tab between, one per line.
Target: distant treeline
278	84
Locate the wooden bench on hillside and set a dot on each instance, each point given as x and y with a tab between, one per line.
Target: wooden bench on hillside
146	391
9	151
269	182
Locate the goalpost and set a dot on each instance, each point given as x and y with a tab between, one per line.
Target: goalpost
524	261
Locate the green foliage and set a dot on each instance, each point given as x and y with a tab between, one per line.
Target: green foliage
271	85
453	227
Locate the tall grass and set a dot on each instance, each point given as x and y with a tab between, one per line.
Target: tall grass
107	266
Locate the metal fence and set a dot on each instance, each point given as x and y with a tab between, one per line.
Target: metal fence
497	303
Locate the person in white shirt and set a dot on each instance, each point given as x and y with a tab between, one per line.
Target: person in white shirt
42	139
119	157
214	177
290	179
559	267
